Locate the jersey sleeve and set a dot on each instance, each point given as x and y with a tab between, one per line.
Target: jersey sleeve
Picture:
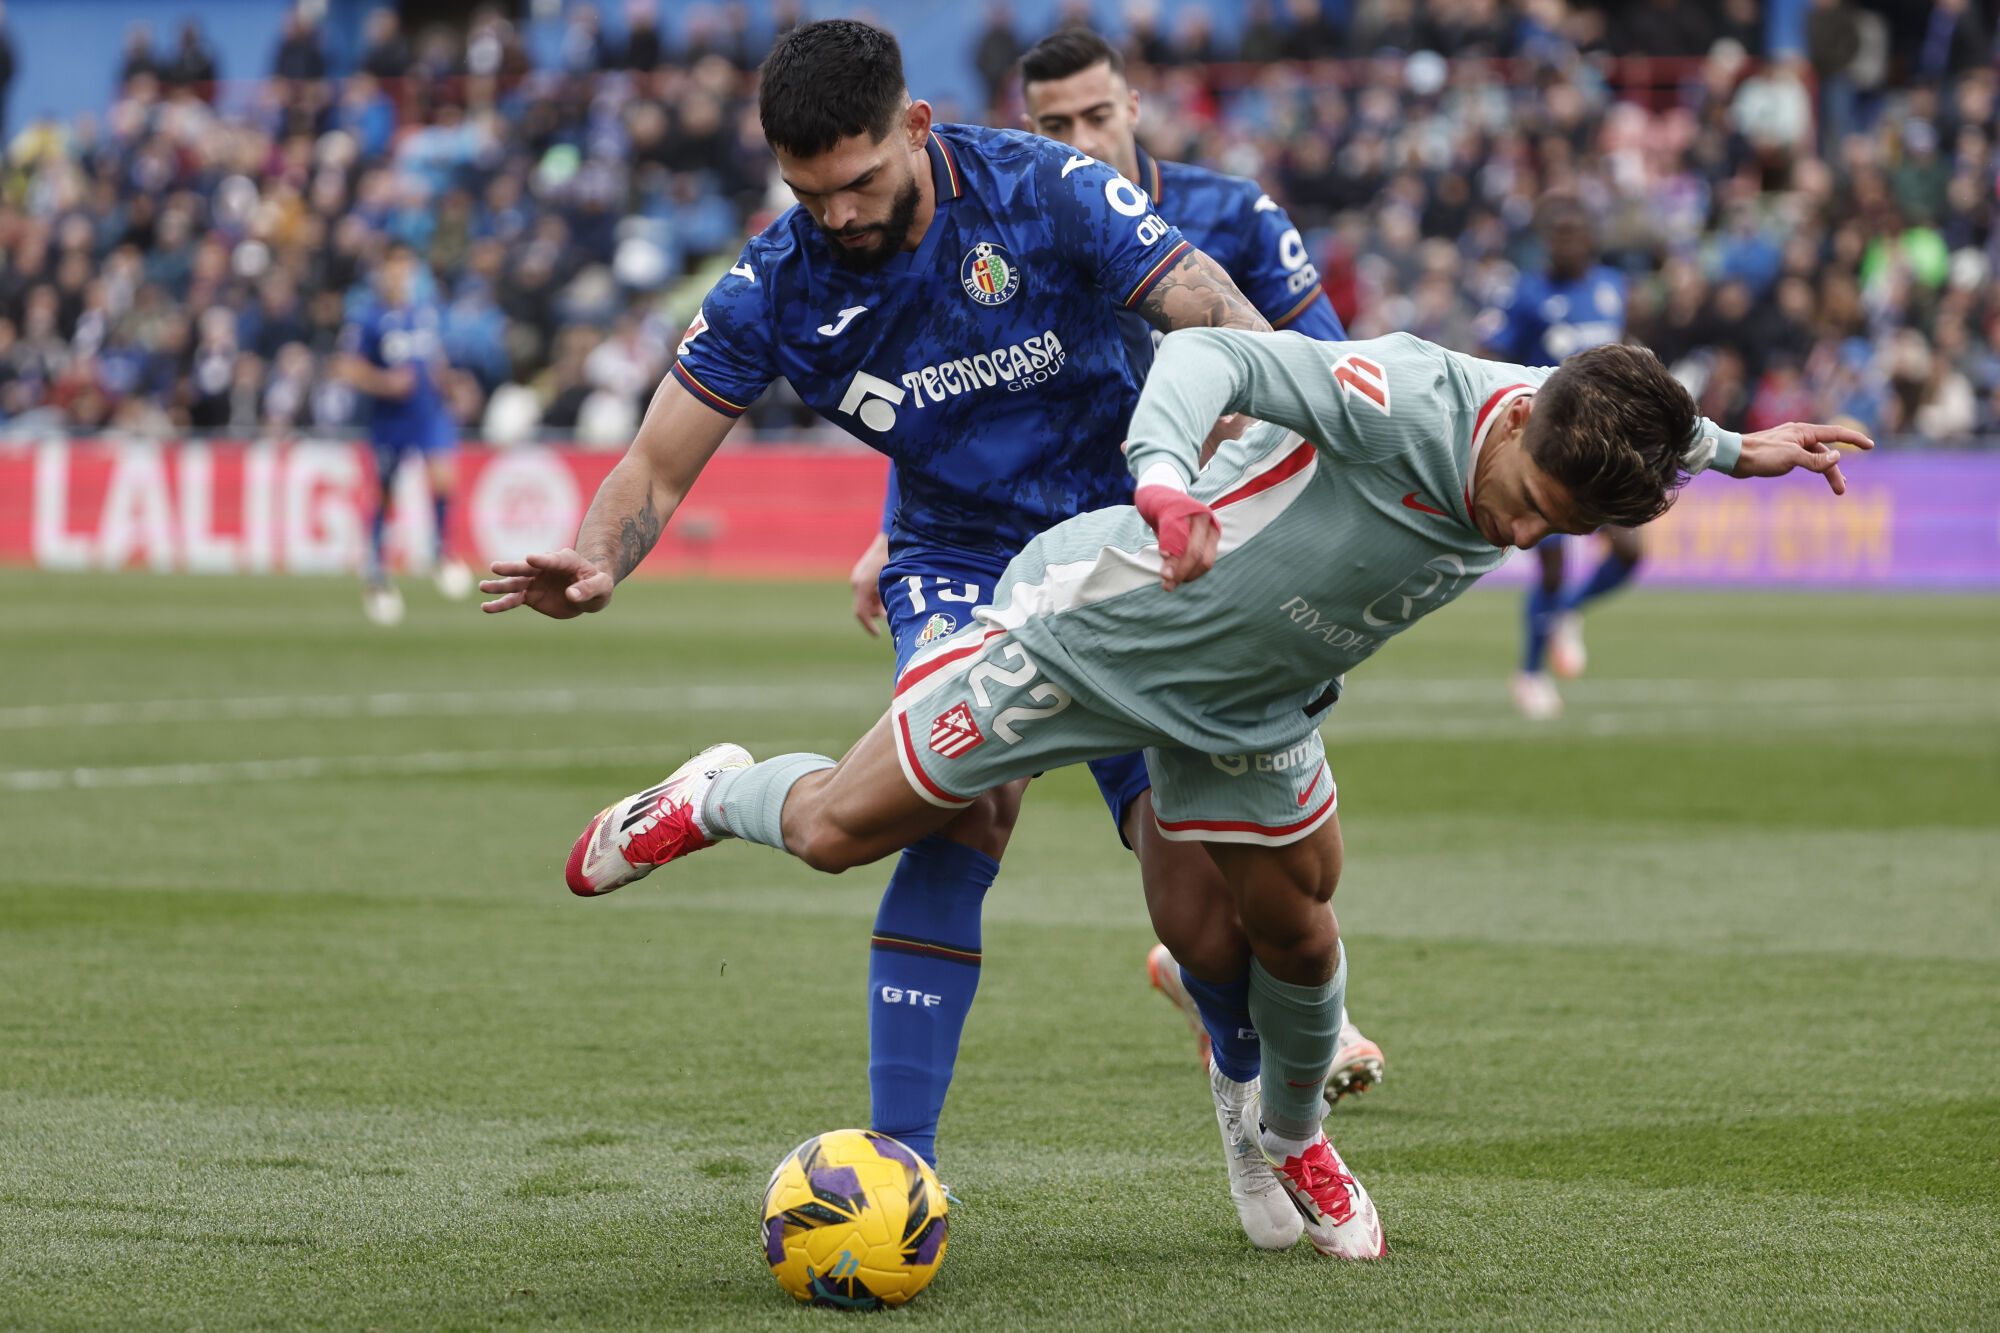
1503	328
1105	226
1359	401
1275	272
362	338
726	357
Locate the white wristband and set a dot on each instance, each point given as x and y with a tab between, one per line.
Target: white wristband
1159	472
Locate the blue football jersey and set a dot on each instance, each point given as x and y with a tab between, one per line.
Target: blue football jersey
987	363
1541	320
390	337
1236	224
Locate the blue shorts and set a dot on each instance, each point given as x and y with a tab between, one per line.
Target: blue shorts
930	593
431	439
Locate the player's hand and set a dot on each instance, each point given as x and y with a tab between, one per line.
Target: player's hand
865	581
1229	427
1188	530
1797	444
559	584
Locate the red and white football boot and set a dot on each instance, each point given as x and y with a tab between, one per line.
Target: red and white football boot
1165	974
649	828
1340	1218
1358	1064
1567	657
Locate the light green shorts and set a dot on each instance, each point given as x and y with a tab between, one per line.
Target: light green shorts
977	711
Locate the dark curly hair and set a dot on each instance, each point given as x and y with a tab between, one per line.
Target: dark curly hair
828	81
1612	425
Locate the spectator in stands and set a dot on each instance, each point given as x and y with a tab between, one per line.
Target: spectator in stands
385	52
192	65
138	59
996	51
1954	41
644	49
299	56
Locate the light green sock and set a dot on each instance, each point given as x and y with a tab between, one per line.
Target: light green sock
1298	1028
747	803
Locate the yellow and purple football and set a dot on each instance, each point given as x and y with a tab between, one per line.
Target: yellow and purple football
855	1220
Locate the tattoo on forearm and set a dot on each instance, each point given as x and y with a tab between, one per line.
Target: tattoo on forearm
1196	293
637	534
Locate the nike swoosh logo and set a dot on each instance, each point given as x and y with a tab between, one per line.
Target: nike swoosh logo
1411	501
1306	795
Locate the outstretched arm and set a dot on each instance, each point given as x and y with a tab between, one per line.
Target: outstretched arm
1797	444
625	520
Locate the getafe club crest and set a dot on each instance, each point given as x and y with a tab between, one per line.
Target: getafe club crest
989	274
936	628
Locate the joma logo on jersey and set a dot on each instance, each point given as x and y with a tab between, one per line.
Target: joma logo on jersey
989	274
1333	635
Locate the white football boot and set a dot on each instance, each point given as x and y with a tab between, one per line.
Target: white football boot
1566	655
1358	1064
1262	1206
1535	696
382	603
1340	1219
1165	974
649	828
453	580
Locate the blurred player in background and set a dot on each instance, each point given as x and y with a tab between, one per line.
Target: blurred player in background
1577	303
1073	90
391	353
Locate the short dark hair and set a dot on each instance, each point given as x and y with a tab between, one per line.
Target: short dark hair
828	81
1068	51
1612	425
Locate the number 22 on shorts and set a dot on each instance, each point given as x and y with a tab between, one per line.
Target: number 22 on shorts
1052	698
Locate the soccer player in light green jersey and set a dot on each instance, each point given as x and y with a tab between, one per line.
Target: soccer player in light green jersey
1211	624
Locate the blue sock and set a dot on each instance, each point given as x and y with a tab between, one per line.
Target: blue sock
1610	574
377	568
1225	1013
378	525
923	967
440	504
1543	607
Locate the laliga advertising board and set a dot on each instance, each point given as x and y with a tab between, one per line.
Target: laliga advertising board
1911	519
302	508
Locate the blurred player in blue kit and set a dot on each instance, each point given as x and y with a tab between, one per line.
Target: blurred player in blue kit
954	296
1577	303
1073	90
391	354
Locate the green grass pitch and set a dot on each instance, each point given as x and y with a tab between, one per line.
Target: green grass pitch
1691	1000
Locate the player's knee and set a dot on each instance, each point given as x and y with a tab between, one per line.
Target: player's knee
1306	951
826	847
988	822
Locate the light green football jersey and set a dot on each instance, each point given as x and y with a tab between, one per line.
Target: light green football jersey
1344	520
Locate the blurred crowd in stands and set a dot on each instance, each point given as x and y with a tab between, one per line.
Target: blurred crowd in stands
1807	233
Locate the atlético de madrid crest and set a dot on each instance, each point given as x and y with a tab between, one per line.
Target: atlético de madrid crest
989	274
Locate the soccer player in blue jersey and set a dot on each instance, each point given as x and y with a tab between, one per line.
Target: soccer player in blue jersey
1577	303
391	354
951	295
1074	91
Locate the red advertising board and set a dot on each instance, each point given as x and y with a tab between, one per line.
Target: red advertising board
779	510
